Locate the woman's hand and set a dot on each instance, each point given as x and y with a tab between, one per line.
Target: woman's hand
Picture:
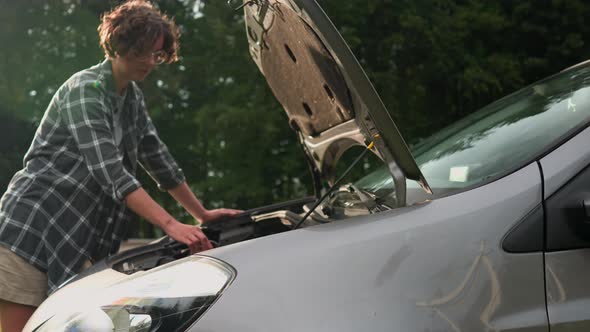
190	235
212	215
183	194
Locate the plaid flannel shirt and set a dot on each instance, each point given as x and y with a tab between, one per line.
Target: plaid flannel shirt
67	204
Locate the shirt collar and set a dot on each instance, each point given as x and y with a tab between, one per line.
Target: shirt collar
106	78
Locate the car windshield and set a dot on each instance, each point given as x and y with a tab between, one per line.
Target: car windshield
498	138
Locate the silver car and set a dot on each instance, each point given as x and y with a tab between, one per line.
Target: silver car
485	226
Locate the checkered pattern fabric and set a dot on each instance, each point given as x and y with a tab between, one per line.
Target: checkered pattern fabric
67	204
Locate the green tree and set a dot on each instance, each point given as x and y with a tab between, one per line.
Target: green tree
432	61
435	61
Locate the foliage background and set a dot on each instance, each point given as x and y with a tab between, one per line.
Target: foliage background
432	62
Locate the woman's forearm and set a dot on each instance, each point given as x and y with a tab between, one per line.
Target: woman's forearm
184	195
142	203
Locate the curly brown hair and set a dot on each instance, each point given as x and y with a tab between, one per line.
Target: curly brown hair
134	26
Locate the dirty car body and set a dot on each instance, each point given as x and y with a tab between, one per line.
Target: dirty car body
481	227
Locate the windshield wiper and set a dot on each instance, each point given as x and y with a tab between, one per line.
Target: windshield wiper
336	184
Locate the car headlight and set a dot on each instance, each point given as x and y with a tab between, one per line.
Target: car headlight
167	298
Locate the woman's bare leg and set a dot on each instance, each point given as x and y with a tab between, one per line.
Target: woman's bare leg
14	316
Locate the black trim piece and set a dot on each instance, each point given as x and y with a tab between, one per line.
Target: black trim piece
544	205
527	235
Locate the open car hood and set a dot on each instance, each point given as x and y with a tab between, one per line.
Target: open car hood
327	96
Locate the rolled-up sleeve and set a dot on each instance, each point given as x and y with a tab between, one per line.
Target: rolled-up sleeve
88	119
155	158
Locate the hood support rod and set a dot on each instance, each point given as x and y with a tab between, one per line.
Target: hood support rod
335	185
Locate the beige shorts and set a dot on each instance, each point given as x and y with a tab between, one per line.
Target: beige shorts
21	282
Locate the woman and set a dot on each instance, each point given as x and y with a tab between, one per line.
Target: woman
71	202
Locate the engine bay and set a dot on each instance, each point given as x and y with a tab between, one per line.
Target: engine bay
250	224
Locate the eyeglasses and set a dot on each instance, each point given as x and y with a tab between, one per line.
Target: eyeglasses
158	56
